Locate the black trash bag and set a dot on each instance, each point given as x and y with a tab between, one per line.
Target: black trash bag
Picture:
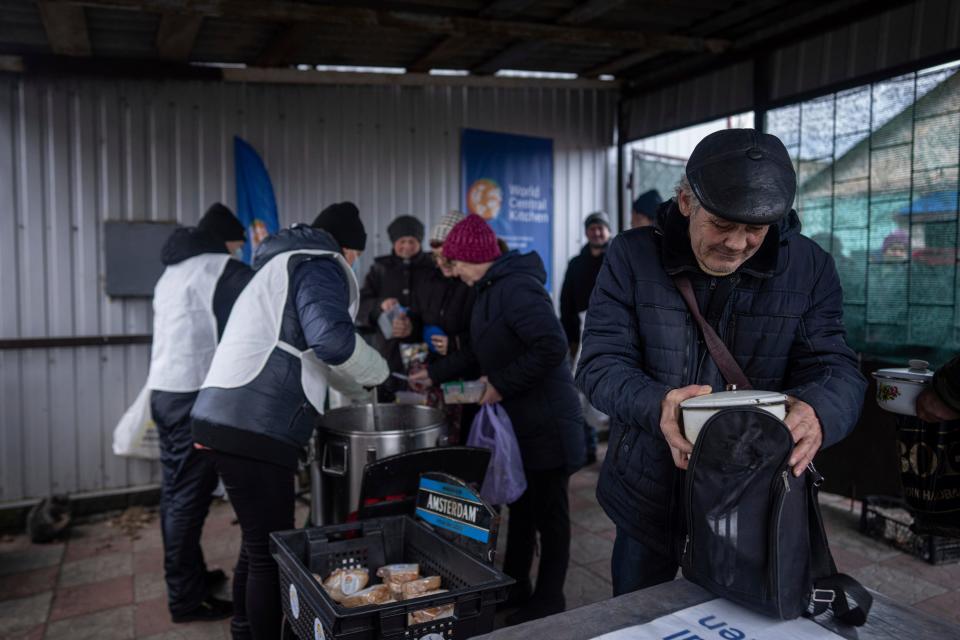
49	518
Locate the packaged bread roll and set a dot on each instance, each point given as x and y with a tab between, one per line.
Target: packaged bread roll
419	587
345	582
431	613
395	575
377	594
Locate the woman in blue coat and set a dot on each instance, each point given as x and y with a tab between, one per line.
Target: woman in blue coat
520	347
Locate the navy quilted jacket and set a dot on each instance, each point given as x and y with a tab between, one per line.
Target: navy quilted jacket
781	319
269	418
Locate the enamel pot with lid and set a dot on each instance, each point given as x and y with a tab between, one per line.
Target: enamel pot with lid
696	411
897	389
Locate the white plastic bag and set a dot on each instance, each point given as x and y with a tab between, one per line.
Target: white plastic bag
135	436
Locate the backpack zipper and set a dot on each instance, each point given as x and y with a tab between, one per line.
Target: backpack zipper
781	500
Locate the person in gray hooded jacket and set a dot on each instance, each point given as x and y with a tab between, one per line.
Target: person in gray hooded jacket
291	334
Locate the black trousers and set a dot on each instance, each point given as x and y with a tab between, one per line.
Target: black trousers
186	491
262	495
543	508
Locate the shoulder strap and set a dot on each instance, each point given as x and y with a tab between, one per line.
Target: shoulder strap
725	361
831	589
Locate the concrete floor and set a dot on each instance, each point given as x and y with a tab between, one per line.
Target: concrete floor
102	583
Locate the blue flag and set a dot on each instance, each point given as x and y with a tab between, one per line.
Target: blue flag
256	205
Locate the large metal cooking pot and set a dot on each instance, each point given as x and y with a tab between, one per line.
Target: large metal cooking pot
349	438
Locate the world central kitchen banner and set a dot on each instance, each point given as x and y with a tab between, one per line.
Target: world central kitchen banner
508	180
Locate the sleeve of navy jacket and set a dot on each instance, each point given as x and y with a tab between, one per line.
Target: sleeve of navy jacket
823	370
323	300
610	372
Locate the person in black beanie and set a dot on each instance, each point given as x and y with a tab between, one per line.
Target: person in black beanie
643	213
391	281
192	301
342	221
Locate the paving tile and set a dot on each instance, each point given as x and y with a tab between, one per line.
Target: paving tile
30	557
112	624
95	531
591	518
152	617
83	548
896	584
36	633
96	569
848	560
584	479
20	585
87	598
584	587
602	569
148	560
855	542
945	606
148	586
945	575
24	614
587	548
148	538
194	631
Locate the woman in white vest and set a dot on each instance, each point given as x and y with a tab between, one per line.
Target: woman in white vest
291	336
191	304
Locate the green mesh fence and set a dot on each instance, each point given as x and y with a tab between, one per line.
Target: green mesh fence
878	169
655	172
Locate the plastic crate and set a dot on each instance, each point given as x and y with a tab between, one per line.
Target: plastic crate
475	588
889	519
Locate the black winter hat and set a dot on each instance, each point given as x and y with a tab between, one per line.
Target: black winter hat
597	217
220	222
342	221
743	175
647	203
405	226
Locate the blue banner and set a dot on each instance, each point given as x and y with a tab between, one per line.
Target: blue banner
508	180
256	205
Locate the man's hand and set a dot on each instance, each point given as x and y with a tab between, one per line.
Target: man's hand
388	304
930	408
806	431
490	394
680	447
420	380
441	344
402	327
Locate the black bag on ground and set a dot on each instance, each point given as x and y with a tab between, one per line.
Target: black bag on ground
755	535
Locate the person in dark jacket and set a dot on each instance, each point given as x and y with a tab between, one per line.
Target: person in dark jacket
192	302
521	349
393	280
291	335
575	296
445	303
643	212
941	401
771	294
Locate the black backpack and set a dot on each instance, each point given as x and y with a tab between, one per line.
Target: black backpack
755	535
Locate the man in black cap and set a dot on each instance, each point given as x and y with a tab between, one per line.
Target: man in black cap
390	284
191	304
575	296
771	294
643	213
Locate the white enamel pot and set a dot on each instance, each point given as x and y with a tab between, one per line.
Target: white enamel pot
696	411
897	389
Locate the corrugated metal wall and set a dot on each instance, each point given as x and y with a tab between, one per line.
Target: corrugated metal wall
77	152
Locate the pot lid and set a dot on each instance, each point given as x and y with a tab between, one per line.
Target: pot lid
918	371
738	398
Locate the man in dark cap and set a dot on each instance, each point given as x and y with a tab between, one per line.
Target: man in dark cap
643	213
575	296
389	285
191	304
771	294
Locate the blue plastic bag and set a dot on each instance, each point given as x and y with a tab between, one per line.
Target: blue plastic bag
505	481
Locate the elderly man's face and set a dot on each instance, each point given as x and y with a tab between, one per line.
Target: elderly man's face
719	245
598	235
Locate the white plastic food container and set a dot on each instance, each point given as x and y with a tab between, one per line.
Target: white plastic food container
462	392
696	411
897	389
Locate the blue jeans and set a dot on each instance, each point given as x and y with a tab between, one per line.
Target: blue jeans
635	566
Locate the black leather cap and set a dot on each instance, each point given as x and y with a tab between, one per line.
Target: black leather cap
743	175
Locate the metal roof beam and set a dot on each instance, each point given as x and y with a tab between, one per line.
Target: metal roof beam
285	46
66	27
176	35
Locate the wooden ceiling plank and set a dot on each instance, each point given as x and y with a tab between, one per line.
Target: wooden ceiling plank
66	27
177	34
283	49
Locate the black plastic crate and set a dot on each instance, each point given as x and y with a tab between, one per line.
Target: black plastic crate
475	588
889	519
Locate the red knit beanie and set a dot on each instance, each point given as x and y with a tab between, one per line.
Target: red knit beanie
471	240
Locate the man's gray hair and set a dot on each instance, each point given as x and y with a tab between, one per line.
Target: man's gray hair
683	188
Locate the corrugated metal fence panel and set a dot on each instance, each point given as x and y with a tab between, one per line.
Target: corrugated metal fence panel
77	152
892	39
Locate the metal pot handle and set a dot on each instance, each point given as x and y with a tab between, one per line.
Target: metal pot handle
324	461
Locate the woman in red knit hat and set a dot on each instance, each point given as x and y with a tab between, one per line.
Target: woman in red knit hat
519	345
